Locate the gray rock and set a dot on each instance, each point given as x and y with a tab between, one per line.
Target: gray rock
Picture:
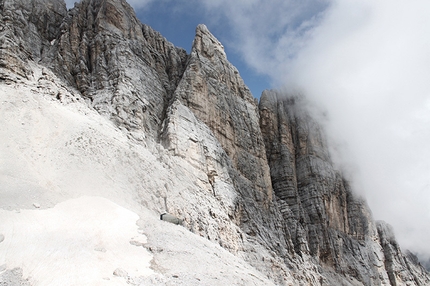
264	184
1	238
213	90
171	218
326	219
13	277
25	35
125	69
120	273
402	269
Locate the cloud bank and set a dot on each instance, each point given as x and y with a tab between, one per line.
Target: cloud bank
368	65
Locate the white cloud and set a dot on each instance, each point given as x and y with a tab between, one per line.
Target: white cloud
368	65
267	33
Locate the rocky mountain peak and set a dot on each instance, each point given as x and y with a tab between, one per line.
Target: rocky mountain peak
126	70
112	16
205	43
188	138
213	90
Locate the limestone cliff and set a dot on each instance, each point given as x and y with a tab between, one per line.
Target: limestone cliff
126	70
326	219
256	178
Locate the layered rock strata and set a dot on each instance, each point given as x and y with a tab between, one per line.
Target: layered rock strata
260	181
27	29
126	70
327	220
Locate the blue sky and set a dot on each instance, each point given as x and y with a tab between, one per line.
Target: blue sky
365	63
177	20
178	25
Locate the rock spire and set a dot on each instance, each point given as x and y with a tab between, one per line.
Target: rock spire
254	177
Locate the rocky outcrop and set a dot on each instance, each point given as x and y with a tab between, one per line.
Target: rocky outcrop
326	220
27	29
213	123
259	178
126	70
402	269
213	90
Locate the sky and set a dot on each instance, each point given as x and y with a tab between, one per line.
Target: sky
364	63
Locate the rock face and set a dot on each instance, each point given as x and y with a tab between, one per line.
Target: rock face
259	178
26	30
402	269
126	70
213	90
327	221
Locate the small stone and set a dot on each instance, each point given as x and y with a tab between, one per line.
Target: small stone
120	272
171	218
100	249
1	238
136	243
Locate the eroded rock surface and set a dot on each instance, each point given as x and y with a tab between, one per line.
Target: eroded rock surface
213	90
26	31
402	269
257	179
327	220
126	70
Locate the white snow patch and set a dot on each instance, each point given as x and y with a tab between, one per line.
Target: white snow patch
78	242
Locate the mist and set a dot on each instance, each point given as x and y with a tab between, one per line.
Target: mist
367	64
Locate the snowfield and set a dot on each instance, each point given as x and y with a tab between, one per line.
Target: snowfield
82	240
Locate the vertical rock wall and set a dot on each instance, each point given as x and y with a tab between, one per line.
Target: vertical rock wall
265	186
27	28
126	70
326	220
213	90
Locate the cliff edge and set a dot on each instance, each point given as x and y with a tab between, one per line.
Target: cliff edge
96	103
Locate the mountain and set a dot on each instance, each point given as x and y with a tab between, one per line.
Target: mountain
106	125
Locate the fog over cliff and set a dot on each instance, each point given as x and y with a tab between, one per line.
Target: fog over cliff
110	131
365	64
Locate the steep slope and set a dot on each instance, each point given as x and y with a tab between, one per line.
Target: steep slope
214	91
125	69
326	219
27	29
72	186
188	138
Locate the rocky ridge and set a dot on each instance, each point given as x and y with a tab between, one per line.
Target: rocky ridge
263	186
